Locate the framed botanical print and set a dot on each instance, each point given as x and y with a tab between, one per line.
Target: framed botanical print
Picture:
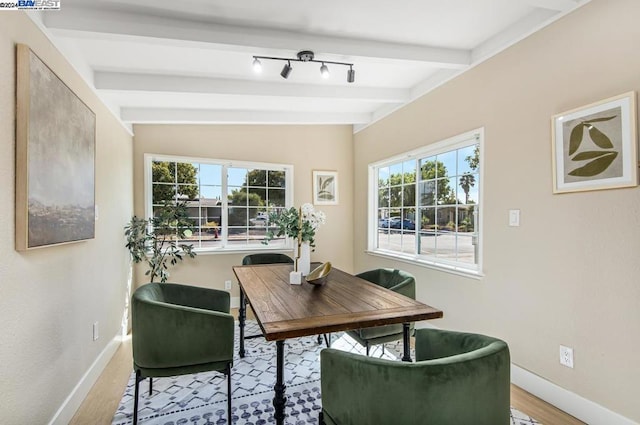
595	146
325	187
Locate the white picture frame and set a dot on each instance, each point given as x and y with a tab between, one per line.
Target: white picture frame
325	187
595	146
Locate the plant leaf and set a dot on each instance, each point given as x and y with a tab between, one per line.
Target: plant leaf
596	166
576	138
325	182
582	156
599	138
600	119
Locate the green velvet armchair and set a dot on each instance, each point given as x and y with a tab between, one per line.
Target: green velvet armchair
397	281
180	329
457	379
266	258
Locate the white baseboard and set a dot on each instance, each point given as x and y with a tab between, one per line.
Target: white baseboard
235	302
79	393
583	409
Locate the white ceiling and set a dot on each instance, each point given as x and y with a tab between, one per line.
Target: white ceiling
167	61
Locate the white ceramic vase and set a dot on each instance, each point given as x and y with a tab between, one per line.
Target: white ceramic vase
304	260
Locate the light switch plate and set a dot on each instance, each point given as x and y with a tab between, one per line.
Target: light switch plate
514	218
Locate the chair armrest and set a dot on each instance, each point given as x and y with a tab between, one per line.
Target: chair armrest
170	335
197	297
363	390
433	344
407	288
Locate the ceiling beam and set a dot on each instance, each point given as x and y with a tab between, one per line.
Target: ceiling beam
210	116
122	81
108	23
557	5
516	32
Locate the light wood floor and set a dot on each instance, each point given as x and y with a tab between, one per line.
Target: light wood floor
102	401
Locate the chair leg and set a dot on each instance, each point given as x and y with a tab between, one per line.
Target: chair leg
228	372
150	386
367	348
135	398
319	339
321	418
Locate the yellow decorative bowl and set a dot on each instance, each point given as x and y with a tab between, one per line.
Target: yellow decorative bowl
319	274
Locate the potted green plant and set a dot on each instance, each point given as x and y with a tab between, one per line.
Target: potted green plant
156	241
300	224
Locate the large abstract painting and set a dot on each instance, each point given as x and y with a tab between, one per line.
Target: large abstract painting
55	158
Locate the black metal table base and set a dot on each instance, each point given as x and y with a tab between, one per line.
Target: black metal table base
253	336
242	311
406	357
279	400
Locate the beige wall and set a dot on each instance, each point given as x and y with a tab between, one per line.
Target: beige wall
50	297
570	273
306	147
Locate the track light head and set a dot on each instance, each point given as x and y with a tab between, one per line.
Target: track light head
257	65
351	75
324	71
286	70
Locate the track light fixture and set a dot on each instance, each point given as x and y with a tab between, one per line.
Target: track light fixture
324	71
257	65
351	75
286	70
304	56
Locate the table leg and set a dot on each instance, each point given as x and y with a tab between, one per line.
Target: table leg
405	342
279	400
241	318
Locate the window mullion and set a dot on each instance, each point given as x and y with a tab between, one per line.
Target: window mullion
418	211
224	215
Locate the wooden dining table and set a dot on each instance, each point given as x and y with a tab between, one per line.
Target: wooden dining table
344	302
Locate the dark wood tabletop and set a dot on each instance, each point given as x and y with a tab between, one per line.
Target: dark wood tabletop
343	302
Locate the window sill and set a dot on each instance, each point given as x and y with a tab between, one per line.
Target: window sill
472	274
248	250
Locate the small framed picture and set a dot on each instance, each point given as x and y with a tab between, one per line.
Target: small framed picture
595	146
325	187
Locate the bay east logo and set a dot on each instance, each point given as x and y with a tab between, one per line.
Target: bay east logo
38	4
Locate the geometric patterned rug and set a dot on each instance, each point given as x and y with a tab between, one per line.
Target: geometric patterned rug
201	399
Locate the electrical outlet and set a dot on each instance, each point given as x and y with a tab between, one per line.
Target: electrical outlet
227	285
566	356
95	331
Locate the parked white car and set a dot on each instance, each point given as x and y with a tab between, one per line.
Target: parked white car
261	219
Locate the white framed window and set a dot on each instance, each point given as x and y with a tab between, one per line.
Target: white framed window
425	205
228	202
